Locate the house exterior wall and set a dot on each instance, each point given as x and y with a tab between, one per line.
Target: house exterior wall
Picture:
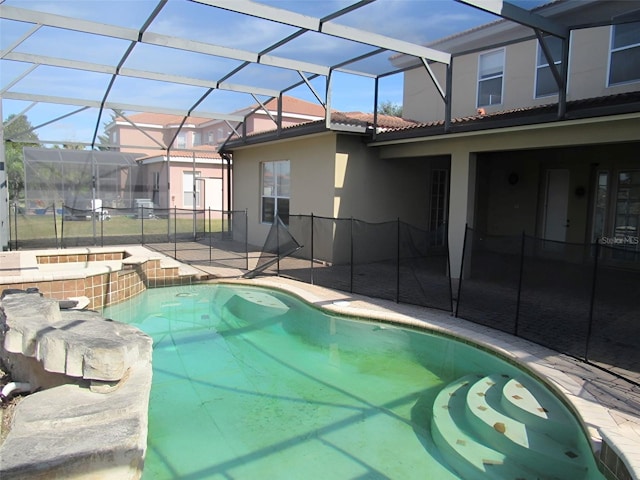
529	151
128	135
336	177
588	69
379	190
312	179
159	197
205	170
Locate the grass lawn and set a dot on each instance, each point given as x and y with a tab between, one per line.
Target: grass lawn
31	227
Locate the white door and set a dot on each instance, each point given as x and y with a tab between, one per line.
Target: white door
556	221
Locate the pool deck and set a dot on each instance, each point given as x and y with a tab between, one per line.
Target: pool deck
608	405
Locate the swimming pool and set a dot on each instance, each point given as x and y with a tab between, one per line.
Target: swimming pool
253	383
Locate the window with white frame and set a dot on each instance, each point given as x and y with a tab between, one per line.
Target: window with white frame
188	185
181	141
197	139
490	78
210	139
624	63
275	183
545	82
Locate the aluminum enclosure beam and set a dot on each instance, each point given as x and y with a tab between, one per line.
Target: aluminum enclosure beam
30	97
305	22
130	34
519	15
134	73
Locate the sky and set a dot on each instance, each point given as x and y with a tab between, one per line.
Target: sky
418	21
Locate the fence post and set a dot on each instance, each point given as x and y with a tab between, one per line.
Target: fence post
520	275
62	227
210	235
448	254
101	229
55	224
398	262
141	210
175	232
464	254
277	245
246	237
591	301
311	249
15	222
351	257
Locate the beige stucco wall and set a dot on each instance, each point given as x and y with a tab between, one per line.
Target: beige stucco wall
312	174
379	190
336	177
588	67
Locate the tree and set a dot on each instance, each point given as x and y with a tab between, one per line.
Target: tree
392	109
18	133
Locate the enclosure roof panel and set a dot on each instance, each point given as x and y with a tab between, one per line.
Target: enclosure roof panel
214	58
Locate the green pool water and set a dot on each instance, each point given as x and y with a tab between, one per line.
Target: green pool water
250	383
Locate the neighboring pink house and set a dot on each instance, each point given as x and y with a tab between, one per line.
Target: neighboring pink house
183	167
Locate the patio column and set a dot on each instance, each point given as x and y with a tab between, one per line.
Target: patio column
461	203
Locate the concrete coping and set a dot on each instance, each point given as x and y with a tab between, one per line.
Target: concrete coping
28	268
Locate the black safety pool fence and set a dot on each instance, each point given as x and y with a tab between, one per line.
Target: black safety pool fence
172	228
579	299
391	260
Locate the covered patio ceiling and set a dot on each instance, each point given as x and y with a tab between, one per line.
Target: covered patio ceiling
216	58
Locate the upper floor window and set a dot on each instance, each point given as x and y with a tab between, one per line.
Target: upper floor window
275	191
490	75
624	64
545	81
210	139
181	141
197	139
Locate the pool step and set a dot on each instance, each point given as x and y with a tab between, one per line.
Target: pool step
525	401
501	427
527	440
458	444
254	305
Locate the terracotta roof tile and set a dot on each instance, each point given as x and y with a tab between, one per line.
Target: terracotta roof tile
206	154
297	106
163	119
574	107
392	126
384	121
